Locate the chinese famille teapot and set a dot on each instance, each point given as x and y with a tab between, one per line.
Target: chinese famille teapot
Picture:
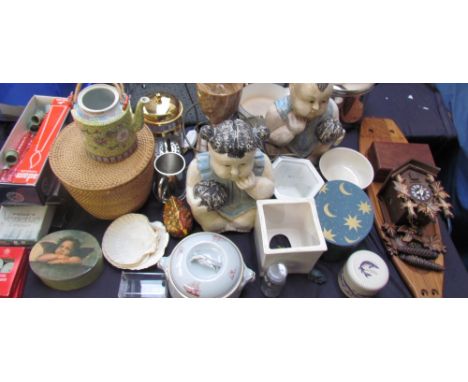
105	117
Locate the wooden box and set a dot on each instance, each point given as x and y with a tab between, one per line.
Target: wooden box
387	156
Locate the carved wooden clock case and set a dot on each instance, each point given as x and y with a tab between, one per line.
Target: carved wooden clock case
408	194
411	200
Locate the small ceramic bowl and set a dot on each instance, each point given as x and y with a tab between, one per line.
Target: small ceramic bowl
257	98
347	164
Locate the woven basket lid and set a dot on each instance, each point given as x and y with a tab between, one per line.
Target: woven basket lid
72	165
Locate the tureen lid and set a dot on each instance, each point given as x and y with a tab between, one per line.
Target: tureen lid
163	108
366	272
206	264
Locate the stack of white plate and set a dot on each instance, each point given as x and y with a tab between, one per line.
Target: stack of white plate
132	242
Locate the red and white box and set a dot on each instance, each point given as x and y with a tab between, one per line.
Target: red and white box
13	270
30	180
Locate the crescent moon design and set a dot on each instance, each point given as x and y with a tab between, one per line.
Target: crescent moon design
343	191
327	212
349	241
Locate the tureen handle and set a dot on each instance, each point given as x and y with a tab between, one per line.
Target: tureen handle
248	276
163	263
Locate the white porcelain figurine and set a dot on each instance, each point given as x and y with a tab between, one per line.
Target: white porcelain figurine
224	183
305	123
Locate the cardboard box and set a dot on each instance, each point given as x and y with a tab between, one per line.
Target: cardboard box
24	225
13	270
30	180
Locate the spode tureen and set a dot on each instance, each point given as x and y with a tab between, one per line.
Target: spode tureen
206	264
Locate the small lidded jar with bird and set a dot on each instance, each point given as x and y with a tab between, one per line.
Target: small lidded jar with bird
364	275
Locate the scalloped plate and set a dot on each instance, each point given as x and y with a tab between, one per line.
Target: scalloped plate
150	259
129	240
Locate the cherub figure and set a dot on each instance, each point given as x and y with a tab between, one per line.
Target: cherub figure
64	252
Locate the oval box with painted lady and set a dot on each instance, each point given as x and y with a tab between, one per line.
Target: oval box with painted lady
346	217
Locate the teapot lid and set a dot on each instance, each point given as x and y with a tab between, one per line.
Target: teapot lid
206	264
163	108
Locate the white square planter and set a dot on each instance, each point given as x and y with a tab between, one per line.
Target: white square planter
298	221
295	178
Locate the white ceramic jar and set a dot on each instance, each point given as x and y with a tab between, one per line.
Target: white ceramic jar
364	274
206	264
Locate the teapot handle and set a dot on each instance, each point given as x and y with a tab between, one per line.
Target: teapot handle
120	89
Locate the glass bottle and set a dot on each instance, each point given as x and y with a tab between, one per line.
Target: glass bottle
274	279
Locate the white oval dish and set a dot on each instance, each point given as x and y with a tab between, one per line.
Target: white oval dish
257	98
350	90
347	164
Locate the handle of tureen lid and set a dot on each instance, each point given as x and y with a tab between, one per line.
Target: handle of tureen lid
120	88
208	262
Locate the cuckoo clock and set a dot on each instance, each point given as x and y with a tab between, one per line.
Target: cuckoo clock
413	196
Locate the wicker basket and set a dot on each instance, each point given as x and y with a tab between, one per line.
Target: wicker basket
105	190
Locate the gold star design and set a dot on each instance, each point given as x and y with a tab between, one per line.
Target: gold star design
324	189
353	222
365	208
329	235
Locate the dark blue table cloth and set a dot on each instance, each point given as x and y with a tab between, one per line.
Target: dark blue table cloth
417	109
455	284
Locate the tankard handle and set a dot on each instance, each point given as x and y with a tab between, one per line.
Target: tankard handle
162	189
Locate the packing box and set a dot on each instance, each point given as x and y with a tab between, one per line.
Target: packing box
13	270
24	225
30	180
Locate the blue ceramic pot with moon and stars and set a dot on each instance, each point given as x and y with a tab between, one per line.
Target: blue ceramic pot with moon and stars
346	217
